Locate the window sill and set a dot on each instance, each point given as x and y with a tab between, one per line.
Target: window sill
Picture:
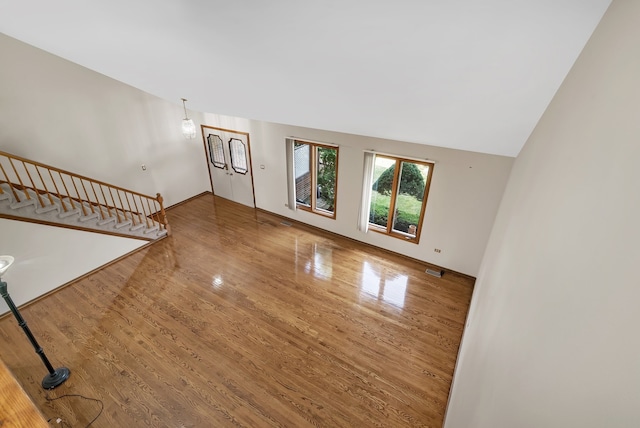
398	235
326	214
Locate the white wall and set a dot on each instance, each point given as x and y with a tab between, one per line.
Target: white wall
61	114
47	257
64	115
67	116
465	191
551	338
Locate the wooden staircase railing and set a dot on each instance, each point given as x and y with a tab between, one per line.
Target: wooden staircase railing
74	191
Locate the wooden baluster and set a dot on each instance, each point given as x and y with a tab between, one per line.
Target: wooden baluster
84	209
24	189
105	199
151	213
55	186
135	204
156	213
115	207
146	217
33	185
44	185
6	178
124	212
86	198
73	206
97	200
126	198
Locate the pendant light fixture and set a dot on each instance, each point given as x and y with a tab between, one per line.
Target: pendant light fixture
188	127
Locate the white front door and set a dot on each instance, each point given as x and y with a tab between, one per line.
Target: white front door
229	164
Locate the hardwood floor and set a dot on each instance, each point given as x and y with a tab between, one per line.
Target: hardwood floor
239	320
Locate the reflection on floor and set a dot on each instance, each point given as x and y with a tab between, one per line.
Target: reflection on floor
237	320
390	288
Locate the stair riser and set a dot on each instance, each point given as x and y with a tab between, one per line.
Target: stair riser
55	214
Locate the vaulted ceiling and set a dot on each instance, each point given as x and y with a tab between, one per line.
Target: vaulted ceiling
467	74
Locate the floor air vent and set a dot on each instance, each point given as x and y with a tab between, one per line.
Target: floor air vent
285	223
436	273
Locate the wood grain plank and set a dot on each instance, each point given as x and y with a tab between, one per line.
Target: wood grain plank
238	320
16	408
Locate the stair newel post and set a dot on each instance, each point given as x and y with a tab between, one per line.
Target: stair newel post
163	215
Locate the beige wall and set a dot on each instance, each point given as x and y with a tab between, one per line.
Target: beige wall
61	114
48	257
551	337
67	116
465	191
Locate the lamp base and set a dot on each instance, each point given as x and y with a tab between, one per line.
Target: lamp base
58	377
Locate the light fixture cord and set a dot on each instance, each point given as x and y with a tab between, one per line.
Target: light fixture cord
185	108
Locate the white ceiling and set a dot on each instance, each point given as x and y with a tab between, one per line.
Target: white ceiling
467	74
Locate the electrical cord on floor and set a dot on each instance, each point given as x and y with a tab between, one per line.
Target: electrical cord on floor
61	422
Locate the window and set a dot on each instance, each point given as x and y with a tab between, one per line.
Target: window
216	151
315	168
238	156
398	197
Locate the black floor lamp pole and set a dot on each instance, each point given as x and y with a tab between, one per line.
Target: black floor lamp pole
56	376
